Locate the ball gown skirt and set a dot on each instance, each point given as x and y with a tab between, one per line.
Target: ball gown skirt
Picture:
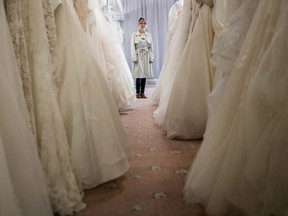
239	169
98	142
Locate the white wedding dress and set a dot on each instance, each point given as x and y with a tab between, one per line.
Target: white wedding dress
240	168
221	13
174	16
98	142
23	187
186	114
226	51
168	72
65	194
106	41
195	12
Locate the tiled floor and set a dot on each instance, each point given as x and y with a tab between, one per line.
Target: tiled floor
153	185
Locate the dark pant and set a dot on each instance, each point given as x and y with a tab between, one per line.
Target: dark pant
140	85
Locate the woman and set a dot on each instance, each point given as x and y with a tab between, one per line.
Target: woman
142	57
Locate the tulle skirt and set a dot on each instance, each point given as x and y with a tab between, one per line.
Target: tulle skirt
186	114
239	169
97	138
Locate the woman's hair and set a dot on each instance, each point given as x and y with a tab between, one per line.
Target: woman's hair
141	19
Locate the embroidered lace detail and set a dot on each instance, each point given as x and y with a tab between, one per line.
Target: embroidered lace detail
14	13
52	38
81	7
228	46
64	192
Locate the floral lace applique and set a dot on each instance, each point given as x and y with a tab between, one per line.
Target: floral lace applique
64	190
14	17
52	38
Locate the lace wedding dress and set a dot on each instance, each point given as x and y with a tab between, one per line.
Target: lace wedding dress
53	147
221	13
226	50
116	67
14	17
94	130
239	169
23	188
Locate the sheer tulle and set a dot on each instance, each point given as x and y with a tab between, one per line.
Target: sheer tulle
266	113
98	141
226	50
173	21
167	75
23	188
117	69
187	108
231	7
240	166
221	16
173	55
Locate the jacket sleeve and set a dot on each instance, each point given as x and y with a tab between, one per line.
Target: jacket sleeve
133	49
151	49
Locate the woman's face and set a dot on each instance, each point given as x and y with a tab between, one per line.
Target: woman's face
142	25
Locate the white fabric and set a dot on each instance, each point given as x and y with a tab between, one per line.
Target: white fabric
240	166
54	150
174	12
186	115
218	16
23	188
111	58
55	3
222	11
231	7
119	34
195	11
115	7
226	51
98	141
171	63
142	52
173	21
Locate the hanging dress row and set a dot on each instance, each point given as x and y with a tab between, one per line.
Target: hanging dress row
73	120
239	169
104	32
182	110
173	54
23	188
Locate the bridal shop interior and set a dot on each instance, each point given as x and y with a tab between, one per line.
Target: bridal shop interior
143	107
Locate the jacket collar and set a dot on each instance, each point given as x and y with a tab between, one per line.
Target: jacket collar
138	33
